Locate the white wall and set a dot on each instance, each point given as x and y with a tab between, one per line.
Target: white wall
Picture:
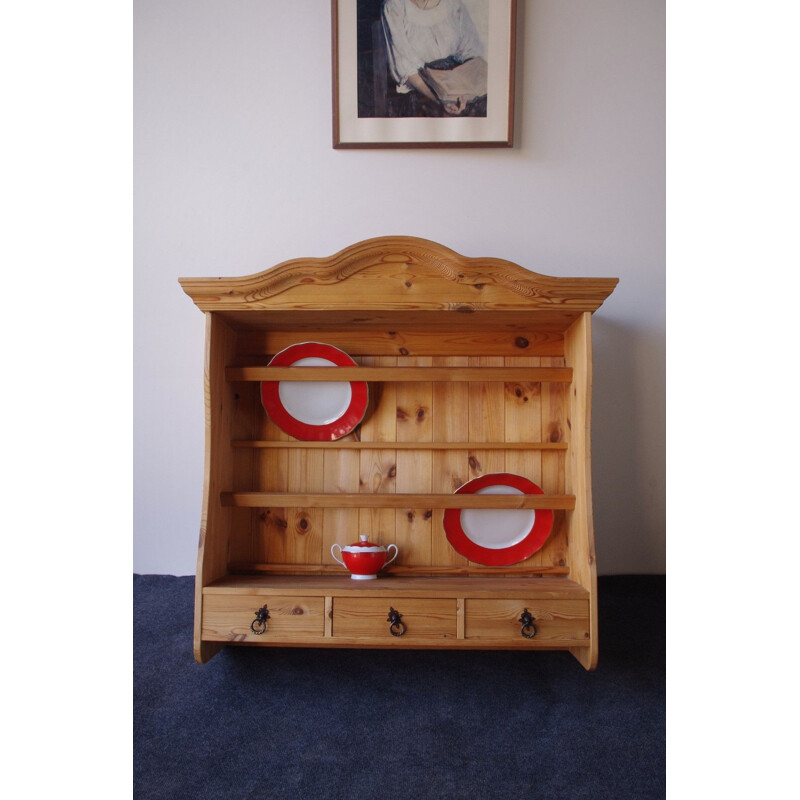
234	172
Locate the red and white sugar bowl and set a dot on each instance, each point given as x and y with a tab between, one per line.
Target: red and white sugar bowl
363	559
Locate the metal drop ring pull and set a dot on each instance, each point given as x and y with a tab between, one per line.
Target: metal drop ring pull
262	615
396	628
528	629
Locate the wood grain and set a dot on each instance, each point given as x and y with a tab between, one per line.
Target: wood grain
405	341
228	617
578	479
216	521
378	500
399	272
378	468
414	424
566	621
368	617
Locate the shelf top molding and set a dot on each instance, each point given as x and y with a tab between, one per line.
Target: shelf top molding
399	273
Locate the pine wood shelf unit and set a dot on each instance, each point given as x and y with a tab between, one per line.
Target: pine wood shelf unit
474	365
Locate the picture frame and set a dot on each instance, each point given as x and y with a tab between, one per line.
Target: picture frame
392	88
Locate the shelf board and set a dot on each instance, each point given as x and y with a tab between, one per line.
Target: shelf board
340	444
401	374
341	585
555	502
243	567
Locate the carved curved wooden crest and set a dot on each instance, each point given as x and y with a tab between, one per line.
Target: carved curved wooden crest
396	273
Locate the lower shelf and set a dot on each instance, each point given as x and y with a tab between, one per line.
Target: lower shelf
403	611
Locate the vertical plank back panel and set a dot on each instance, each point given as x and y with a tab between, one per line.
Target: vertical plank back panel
450	467
378	468
339	525
555	429
413	526
487	421
523	413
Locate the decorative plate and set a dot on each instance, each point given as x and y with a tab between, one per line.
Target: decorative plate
497	537
314	410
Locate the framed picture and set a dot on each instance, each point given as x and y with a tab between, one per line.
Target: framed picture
423	73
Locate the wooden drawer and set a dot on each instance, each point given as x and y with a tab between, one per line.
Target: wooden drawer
557	622
360	617
227	617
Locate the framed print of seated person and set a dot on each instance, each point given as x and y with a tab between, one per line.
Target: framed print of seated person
435	57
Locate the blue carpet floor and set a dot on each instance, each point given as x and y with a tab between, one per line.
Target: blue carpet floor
303	724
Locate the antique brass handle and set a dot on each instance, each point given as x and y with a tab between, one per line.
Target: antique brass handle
262	615
528	629
396	628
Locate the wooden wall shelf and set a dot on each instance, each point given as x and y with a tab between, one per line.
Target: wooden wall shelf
265	500
474	366
402	374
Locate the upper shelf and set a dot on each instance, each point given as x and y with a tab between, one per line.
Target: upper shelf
400	374
370	282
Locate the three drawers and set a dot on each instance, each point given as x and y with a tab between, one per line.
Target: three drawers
395	620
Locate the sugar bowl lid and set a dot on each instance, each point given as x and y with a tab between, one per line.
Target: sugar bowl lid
363	545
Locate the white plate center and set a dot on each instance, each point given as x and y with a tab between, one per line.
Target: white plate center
315	402
497	528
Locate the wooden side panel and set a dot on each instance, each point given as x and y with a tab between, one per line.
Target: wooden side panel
578	481
413	526
216	522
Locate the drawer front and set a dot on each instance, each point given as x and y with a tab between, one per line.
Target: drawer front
362	617
227	617
559	622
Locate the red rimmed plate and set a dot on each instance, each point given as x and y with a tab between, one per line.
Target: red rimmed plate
314	410
497	537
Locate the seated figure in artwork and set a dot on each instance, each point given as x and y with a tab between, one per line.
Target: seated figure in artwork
434	49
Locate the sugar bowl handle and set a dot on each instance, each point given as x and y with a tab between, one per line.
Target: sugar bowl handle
389	561
335	557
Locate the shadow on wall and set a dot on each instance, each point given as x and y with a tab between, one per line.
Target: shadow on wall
629	448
